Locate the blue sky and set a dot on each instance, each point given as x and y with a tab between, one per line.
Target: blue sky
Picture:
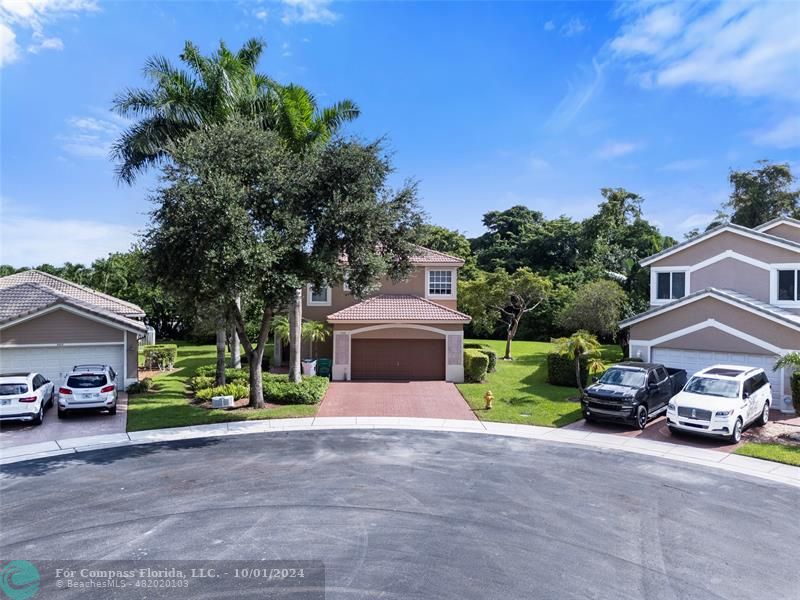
485	104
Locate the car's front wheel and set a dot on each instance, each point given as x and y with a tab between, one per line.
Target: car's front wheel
764	418
736	435
641	416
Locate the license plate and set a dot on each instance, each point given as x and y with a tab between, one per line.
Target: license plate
90	396
5	402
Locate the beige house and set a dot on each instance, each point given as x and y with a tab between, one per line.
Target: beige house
406	330
48	325
730	295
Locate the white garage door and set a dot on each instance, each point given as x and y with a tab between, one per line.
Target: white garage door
55	363
695	360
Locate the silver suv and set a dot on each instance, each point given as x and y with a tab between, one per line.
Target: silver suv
88	387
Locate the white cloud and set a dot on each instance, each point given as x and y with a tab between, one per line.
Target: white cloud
785	134
577	97
261	14
90	137
308	11
539	164
699	220
617	149
286	49
575	26
17	16
743	48
689	164
549	26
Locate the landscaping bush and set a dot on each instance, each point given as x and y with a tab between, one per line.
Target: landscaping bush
200	382
140	387
796	390
476	363
279	390
237	390
231	375
561	370
159	356
490	354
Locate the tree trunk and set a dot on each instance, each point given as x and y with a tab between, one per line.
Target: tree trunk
578	375
236	354
220	375
256	377
512	331
295	327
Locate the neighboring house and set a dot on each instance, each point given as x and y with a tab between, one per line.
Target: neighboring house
406	330
730	295
48	325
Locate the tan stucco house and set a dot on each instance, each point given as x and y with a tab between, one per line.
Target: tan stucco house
49	324
730	295
406	330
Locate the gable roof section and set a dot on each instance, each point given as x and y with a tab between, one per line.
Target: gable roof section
769	311
736	229
426	256
74	290
400	308
30	298
764	227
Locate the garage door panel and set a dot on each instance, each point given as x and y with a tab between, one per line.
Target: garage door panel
397	359
55	362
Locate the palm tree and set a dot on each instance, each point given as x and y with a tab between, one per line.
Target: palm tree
314	331
580	344
281	328
791	361
212	90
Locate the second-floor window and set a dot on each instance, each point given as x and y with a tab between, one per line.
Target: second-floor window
789	285
318	296
440	284
670	285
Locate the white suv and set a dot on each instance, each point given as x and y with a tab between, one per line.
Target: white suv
720	401
24	397
88	387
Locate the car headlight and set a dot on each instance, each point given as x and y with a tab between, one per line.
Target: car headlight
723	413
671	407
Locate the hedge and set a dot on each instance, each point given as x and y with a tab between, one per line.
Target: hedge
141	386
279	390
490	354
160	356
561	370
476	363
796	390
237	390
231	375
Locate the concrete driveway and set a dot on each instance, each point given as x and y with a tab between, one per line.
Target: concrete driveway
75	425
427	399
414	515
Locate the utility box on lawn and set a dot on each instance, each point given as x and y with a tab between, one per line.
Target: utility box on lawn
222	402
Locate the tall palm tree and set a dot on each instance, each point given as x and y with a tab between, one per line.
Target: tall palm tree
212	90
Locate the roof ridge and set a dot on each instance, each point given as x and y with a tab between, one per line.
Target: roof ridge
439	252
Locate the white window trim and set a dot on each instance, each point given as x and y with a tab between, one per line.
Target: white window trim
310	302
773	284
454	283
654	271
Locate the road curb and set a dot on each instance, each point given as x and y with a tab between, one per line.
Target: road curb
745	465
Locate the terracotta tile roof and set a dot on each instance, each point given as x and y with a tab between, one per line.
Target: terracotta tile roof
426	256
74	290
398	307
29	298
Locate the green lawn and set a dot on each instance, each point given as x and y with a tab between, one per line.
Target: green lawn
781	453
168	406
520	388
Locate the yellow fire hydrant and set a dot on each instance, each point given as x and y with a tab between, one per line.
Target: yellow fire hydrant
488	398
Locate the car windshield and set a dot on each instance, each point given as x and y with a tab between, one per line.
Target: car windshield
625	377
86	380
707	386
13	389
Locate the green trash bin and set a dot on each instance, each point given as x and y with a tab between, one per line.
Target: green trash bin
324	367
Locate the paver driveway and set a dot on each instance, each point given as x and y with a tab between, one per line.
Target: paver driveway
432	399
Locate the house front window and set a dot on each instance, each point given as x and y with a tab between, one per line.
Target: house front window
440	284
789	285
670	285
318	296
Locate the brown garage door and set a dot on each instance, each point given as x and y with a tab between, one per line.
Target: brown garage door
398	359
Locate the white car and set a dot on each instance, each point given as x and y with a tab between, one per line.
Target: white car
25	397
721	401
88	387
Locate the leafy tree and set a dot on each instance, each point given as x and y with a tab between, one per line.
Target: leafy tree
762	194
581	343
507	234
596	307
451	242
505	297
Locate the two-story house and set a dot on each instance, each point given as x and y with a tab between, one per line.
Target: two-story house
407	330
730	295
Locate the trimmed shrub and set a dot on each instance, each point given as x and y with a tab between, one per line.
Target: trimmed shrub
140	387
200	382
279	390
476	363
160	356
561	370
237	390
490	354
231	375
796	390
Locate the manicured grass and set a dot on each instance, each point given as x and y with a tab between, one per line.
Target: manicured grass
168	406
781	453
520	388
